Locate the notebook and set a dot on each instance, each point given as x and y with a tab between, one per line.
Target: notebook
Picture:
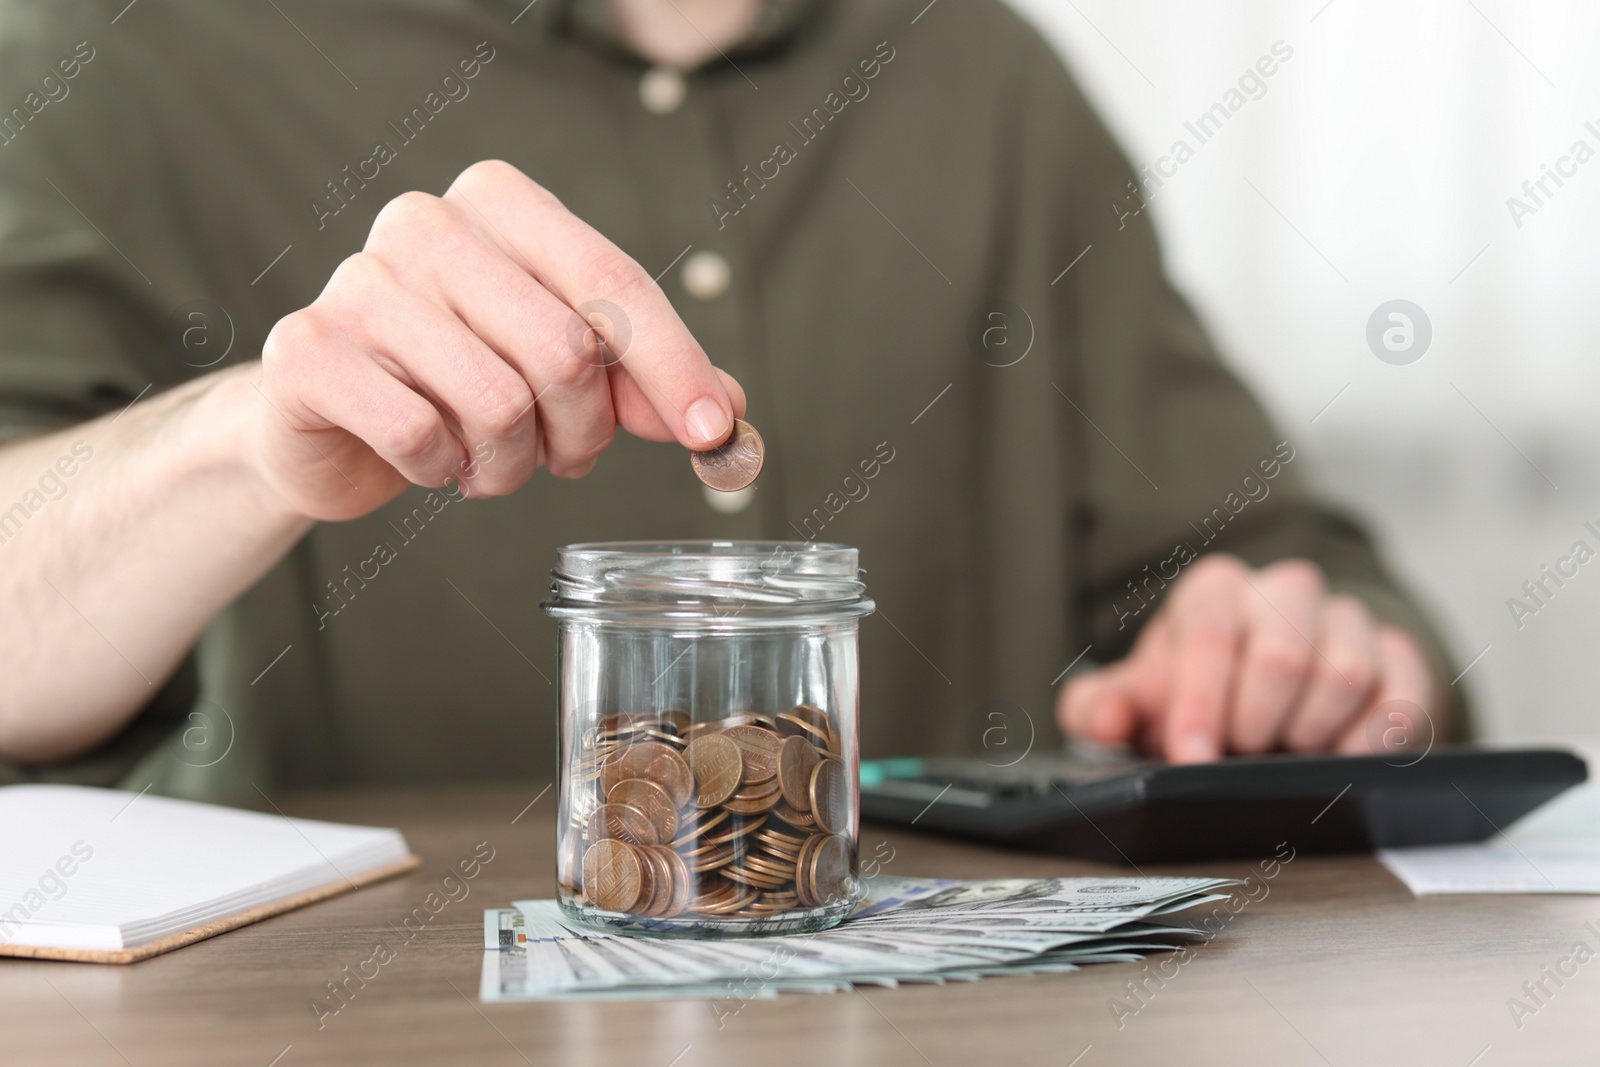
106	876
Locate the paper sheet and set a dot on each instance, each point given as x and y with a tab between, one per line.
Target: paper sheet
1554	850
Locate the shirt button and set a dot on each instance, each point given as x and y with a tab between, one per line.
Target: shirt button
706	275
729	503
662	90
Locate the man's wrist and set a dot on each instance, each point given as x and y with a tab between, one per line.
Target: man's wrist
213	419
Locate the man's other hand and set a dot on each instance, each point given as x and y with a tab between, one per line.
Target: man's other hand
477	336
1242	661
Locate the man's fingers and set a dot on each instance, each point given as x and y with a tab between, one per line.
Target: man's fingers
1397	716
1108	705
1206	627
1341	678
1249	661
584	269
1097	706
1280	608
638	416
430	350
348	391
529	329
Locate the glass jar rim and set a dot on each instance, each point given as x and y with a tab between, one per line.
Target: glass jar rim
707	579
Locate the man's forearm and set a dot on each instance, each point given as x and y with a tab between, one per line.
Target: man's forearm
120	539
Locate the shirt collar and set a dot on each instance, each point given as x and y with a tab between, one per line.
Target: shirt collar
776	22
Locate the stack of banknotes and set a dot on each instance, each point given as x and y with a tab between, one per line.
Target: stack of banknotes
904	930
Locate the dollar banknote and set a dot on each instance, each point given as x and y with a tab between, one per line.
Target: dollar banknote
904	930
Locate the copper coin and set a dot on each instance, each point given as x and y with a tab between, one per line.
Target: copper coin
737	830
665	736
738	844
612	726
759	750
682	881
746	895
666	880
694	831
653	875
759	790
658	762
813	717
745	718
622	823
830	797
830	876
802	883
714	858
612	875
752	878
795	727
733	464
757	861
712	890
713	905
715	763
754	804
648	879
778	843
800	820
807	721
796	760
649	798
774	901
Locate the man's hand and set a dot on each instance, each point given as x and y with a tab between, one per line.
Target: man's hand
452	348
1248	661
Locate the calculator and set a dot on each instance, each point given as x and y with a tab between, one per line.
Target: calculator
1130	812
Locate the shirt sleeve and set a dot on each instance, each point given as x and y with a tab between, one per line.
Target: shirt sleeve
1177	458
79	325
79	318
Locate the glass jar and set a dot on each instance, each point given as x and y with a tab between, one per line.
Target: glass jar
709	693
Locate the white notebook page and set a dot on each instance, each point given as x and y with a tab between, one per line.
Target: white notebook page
130	868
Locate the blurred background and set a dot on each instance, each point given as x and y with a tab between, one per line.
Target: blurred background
1375	164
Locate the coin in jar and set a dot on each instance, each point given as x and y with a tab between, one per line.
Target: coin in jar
796	760
802	881
829	876
800	820
753	802
716	767
743	718
694	829
733	464
807	719
622	823
659	896
830	796
649	799
612	875
658	762
758	748
682	881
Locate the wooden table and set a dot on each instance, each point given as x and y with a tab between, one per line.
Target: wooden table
1337	965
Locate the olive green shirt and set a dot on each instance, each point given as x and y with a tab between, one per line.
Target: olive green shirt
955	336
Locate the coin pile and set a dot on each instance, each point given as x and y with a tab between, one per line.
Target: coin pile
744	817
